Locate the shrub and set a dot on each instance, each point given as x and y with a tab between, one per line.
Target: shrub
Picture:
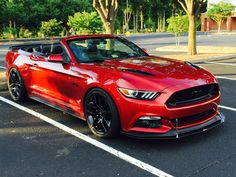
85	23
8	33
178	25
25	33
51	28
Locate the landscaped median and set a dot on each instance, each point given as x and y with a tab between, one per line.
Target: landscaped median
3	81
204	52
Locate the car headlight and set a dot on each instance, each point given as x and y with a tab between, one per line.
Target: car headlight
139	94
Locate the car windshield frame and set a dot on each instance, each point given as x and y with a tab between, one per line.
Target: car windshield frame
117	55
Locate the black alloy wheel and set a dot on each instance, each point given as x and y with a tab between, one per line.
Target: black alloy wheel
101	114
16	86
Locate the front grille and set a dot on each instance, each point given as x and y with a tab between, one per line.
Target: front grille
192	119
193	95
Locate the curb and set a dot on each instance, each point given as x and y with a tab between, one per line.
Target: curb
3	86
3	82
198	61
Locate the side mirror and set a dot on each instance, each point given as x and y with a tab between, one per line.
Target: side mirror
145	50
56	58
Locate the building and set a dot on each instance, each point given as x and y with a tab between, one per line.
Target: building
229	24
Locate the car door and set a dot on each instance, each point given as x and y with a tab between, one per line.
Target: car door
56	83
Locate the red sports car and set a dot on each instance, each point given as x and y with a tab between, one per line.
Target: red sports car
116	86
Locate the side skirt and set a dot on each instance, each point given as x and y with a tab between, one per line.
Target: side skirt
67	110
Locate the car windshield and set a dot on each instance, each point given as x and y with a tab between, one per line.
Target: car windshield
104	48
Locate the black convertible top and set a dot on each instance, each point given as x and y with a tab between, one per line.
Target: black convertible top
39	48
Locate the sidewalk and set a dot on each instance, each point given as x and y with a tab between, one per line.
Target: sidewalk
200	49
204	52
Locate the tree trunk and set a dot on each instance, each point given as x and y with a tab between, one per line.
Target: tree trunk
176	39
14	32
134	23
109	28
164	22
192	8
192	49
219	26
127	16
179	38
10	27
141	21
154	26
107	11
159	24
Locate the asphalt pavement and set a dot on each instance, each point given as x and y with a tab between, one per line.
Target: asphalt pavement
31	147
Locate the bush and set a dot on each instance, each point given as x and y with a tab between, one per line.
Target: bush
178	25
51	28
85	23
25	33
8	33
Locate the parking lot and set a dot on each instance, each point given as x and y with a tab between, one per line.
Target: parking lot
36	140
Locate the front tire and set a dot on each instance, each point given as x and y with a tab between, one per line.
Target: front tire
101	114
16	86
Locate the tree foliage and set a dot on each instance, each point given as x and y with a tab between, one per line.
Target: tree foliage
178	25
30	13
85	23
22	18
51	28
219	12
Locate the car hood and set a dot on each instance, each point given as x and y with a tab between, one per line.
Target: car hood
157	72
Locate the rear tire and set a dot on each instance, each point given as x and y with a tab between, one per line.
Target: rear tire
16	86
101	114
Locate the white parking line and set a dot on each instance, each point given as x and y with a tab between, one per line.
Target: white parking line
228	108
2	67
227	78
221	63
119	154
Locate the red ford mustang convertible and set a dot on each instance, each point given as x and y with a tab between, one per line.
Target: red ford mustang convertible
116	86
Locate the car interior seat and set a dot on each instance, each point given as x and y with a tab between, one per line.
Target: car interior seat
57	49
92	48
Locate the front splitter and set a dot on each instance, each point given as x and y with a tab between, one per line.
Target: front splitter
174	134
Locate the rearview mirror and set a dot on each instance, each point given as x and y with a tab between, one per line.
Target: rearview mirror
55	58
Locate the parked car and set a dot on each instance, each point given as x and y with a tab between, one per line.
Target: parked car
116	86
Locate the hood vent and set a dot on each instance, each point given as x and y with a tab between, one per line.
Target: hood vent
192	65
144	73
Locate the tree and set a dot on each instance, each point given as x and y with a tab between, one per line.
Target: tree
178	25
107	9
14	9
51	28
159	10
192	8
85	22
28	14
219	12
127	16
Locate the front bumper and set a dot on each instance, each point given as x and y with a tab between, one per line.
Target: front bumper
178	133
